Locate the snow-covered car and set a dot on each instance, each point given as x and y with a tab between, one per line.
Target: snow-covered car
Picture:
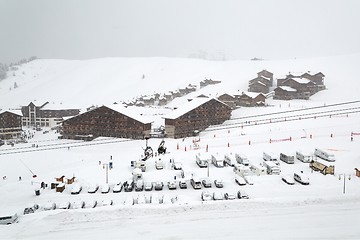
171	185
229	196
31	209
105	188
76	189
159	185
154	199
241	194
288	179
93	188
240	180
249	180
106	202
90	204
218	196
196	183
129	186
206	196
49	206
78	204
219	183
117	188
159	164
148	186
141	199
139	185
206	182
182	184
63	205
302	178
177	166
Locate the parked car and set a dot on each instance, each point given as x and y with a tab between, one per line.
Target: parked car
63	205
249	180
9	219
229	196
128	186
159	164
241	194
139	186
106	203
77	205
159	185
206	195
148	186
240	180
76	189
218	183
31	209
117	188
177	166
195	183
90	204
105	188
288	179
182	184
218	196
93	188
49	206
171	185
206	182
301	178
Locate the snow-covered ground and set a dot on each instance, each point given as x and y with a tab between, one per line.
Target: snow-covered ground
275	210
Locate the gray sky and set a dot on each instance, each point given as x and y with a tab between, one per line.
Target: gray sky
236	29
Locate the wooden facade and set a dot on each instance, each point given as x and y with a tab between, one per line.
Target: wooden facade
258	87
267	81
10	125
106	122
228	99
266	74
196	116
250	99
285	93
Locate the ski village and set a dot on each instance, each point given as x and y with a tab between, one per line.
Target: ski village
170	148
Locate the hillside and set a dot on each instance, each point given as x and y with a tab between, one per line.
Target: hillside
70	83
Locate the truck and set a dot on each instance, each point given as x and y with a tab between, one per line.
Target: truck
270	157
242	159
230	159
306	158
202	159
285	157
322	168
272	168
324	155
217	160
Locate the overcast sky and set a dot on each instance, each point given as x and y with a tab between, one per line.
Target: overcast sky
233	29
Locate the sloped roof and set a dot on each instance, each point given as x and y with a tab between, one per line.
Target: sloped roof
195	103
13	111
128	112
252	94
288	89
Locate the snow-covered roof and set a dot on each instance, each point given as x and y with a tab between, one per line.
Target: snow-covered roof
301	80
252	94
257	82
129	112
187	107
14	111
288	89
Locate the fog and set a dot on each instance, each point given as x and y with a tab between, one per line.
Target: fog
211	29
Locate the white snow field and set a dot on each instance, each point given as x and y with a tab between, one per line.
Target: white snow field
274	210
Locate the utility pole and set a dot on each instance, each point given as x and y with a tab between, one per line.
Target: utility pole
344	184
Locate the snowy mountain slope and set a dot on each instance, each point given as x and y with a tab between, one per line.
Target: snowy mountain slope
104	81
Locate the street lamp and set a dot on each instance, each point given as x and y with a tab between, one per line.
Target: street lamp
344	177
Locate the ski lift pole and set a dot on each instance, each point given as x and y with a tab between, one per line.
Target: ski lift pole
33	174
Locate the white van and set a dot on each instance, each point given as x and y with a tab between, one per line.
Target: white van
324	155
203	159
286	157
230	159
217	160
242	159
306	158
269	156
272	167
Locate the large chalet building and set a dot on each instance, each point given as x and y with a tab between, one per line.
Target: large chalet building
195	116
10	124
44	116
106	121
262	83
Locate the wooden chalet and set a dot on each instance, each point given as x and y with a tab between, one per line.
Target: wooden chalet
10	124
285	93
266	74
318	78
115	121
250	99
258	87
228	99
195	116
207	82
44	116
